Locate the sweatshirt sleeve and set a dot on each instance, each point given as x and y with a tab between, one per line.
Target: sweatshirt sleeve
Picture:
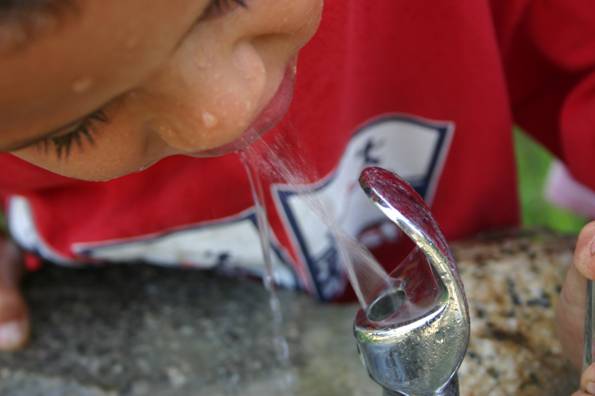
548	52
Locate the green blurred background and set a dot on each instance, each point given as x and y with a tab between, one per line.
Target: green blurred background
533	164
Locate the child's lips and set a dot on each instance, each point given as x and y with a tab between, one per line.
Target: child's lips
277	106
271	114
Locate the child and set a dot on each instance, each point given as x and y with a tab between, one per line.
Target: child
427	89
97	90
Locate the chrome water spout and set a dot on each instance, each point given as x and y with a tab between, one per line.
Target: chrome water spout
413	337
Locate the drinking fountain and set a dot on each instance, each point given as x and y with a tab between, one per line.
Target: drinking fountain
413	336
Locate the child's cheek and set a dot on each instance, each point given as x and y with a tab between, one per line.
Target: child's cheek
207	96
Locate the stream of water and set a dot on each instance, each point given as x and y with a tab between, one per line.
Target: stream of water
280	343
281	163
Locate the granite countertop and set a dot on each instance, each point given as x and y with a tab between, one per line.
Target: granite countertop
512	281
134	331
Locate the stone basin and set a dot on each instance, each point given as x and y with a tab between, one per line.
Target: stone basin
139	330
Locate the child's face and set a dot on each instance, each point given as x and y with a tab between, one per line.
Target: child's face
122	84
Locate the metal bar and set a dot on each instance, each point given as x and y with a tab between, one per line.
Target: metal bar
588	331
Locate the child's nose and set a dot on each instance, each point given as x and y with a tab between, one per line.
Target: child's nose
226	71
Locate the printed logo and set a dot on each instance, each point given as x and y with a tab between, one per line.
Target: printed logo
415	148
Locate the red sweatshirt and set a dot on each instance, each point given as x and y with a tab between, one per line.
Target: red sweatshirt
429	89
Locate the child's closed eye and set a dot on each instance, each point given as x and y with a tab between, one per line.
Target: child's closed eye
79	135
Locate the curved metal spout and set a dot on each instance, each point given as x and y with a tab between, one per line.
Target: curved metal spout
413	337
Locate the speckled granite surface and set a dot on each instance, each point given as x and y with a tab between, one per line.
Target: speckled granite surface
512	283
147	331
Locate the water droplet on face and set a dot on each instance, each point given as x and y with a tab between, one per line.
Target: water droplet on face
202	61
82	84
209	120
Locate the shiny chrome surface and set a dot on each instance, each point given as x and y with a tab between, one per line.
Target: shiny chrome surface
413	337
452	389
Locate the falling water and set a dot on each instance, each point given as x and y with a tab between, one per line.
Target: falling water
279	161
279	340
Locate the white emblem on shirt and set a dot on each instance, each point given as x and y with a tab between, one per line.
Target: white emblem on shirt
414	148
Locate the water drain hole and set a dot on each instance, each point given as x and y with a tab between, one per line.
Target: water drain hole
386	304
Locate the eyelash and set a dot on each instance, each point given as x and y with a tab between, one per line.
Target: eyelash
62	144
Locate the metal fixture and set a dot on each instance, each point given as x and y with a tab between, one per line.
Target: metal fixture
413	337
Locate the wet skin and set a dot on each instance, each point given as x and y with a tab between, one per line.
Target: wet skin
98	90
169	78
